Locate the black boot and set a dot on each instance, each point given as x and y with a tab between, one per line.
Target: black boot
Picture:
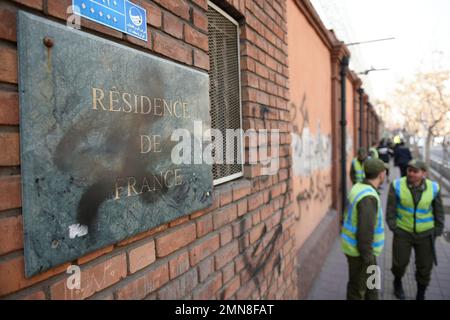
421	291
398	289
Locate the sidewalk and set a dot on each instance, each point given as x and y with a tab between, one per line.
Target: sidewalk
332	281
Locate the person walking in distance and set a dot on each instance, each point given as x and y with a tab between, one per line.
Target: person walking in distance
416	216
357	167
402	156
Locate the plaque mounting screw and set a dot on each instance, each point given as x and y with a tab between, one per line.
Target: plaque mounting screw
55	244
48	42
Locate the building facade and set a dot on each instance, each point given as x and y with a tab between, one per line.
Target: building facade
265	235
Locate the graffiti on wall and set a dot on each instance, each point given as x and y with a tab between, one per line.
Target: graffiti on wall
311	152
311	156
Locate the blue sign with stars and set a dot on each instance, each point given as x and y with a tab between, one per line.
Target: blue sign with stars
121	15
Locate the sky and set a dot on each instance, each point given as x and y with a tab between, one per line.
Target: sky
421	29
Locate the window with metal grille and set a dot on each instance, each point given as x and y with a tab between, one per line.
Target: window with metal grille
224	90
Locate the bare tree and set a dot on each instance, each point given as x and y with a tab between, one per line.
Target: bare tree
424	105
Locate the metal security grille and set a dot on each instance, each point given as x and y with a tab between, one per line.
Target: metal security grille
224	90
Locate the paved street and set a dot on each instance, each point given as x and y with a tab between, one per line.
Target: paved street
332	280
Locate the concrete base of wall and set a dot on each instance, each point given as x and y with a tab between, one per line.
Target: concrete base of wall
313	253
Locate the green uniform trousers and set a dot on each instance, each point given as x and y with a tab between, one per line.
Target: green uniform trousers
358	275
401	251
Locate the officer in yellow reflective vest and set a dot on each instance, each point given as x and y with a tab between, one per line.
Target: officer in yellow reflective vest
357	167
362	234
373	151
416	216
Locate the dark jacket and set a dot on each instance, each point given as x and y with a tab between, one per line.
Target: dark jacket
438	210
384	153
402	156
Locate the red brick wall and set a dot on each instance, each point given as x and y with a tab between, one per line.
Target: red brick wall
243	246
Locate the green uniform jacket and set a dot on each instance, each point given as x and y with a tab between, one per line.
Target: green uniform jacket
438	210
367	219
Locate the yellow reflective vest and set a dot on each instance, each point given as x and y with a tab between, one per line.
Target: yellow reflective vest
349	243
359	170
413	218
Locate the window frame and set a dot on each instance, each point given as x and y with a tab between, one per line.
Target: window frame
237	175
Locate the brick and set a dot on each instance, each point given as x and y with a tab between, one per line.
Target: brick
242	225
143	235
224	216
12	275
228	272
266	211
93	279
255	201
175	239
200	20
230	288
273	221
256	217
11	235
142	286
142	256
239	263
179	287
201	59
277	190
226	196
205	268
226	254
204	226
179	265
8	67
10	193
9	144
246	291
226	235
177	7
196	38
154	15
36	4
204	248
172	48
173	25
257	232
242	207
209	288
8	23
244	242
58	8
240	191
9	108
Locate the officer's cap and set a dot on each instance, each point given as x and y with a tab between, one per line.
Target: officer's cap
418	164
374	166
